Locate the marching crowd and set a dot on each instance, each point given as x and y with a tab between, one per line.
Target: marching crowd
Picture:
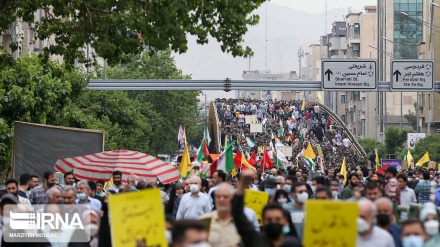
220	198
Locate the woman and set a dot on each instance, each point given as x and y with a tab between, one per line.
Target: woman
429	217
281	197
175	193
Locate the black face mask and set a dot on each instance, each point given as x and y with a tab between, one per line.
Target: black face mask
273	230
383	219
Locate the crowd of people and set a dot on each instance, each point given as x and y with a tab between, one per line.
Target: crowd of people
220	198
300	123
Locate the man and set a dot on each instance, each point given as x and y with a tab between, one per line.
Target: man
334	187
391	188
296	209
368	234
35	181
54	196
69	195
99	187
280	181
412	181
317	182
69	178
189	233
385	219
194	204
117	182
407	195
218	177
323	193
348	191
272	175
423	189
83	189
93	187
12	187
270	187
274	221
330	177
290	180
413	230
38	194
222	223
372	191
25	184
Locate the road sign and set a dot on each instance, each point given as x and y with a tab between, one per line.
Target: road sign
412	75
349	74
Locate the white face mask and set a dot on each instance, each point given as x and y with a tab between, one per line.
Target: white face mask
168	236
194	188
362	225
302	197
431	227
282	200
335	194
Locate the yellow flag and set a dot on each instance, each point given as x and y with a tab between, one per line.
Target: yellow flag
309	153
108	184
344	170
233	172
423	160
303	105
319	97
409	158
377	160
185	162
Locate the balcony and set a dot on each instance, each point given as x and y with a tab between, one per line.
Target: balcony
353	39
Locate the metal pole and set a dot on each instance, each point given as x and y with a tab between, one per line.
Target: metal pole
40	42
87	65
14	38
401	110
105	69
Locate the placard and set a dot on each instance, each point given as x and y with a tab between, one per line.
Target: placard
137	215
250	119
432	164
334	225
394	163
414	138
404	165
286	150
256	200
256	128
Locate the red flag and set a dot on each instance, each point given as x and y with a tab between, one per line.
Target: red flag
237	159
382	170
267	161
253	159
205	149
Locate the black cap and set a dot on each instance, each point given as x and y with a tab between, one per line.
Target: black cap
9	197
392	170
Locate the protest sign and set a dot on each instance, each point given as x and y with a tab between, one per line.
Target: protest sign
137	215
334	225
256	200
432	164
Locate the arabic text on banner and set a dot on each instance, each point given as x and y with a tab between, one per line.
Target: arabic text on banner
256	200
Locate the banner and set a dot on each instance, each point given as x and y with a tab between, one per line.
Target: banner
395	163
414	138
256	200
256	128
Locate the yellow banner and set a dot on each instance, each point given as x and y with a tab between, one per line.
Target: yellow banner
256	200
137	215
334	225
318	147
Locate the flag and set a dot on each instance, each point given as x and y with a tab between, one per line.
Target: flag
180	135
225	161
205	148
271	135
206	135
423	160
253	158
309	153
382	170
281	158
200	154
309	163
267	161
303	106
344	170
241	162
185	162
250	142
409	158
293	118
226	142
108	184
377	160
319	97
281	130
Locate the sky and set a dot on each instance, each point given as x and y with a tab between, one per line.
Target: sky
318	6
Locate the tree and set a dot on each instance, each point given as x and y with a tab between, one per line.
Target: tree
33	91
394	138
431	144
113	28
370	144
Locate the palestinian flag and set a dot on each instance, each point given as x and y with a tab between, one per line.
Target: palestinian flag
309	163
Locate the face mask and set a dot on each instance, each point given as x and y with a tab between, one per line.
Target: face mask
383	219
270	191
287	188
362	225
168	236
313	188
286	230
431	227
133	188
81	196
117	183
273	230
91	229
194	188
413	241
136	183
335	194
272	176
282	200
278	186
410	179
302	197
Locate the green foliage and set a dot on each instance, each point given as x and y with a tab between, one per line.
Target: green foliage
111	27
431	144
394	138
370	144
412	119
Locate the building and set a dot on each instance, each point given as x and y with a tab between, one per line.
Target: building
316	53
267	75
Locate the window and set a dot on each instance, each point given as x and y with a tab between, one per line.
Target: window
363	127
408	29
342	99
343	118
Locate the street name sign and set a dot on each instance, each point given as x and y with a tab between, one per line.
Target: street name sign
412	75
349	74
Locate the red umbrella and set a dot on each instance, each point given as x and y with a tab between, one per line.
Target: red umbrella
101	166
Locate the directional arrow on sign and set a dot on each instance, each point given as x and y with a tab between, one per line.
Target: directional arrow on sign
397	73
328	72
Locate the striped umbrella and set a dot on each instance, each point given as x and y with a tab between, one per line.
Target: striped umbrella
101	166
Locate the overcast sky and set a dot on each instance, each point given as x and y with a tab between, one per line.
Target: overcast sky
318	6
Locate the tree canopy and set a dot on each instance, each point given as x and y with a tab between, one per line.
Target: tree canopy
431	144
114	27
394	139
370	144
